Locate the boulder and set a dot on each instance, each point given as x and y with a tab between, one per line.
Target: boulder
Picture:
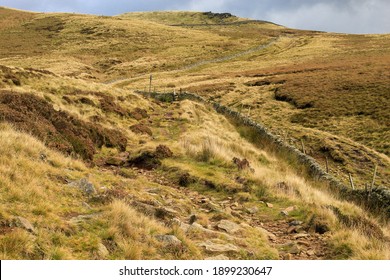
270	235
83	185
228	226
115	161
102	251
287	211
169	240
24	223
252	210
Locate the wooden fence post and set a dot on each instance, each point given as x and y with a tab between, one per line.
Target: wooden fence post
373	177
150	83
351	181
303	147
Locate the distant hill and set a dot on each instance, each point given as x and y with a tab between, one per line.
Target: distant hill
102	156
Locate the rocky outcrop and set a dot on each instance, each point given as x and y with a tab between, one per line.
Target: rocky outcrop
83	185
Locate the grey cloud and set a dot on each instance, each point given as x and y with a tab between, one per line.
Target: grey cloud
352	16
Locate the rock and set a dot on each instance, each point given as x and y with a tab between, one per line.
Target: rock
115	161
301	235
199	227
245	225
219	257
183	226
208	232
170	240
228	226
102	251
304	243
287	257
81	218
84	185
144	208
165	212
295	223
253	210
237	215
310	253
24	223
228	210
154	190
269	205
270	235
295	250
287	210
220	248
292	229
290	247
212	206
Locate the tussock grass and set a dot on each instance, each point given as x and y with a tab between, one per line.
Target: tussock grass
81	50
277	182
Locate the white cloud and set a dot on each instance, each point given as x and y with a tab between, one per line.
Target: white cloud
352	16
369	17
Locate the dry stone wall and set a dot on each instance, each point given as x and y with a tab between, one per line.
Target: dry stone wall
376	200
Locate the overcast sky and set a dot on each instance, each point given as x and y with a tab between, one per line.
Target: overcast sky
348	16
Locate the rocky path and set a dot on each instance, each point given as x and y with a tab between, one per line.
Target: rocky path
289	237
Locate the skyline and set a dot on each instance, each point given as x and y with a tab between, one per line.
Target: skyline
349	16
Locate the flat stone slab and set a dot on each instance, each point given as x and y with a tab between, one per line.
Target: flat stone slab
218	248
228	226
169	240
24	223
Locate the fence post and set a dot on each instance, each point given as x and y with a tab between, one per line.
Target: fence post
373	177
303	147
351	181
150	83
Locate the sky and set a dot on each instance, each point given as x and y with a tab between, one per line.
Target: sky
345	16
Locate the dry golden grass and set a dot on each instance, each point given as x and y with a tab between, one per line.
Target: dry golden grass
82	50
336	85
207	137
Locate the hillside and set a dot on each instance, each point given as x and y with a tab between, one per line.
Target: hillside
90	168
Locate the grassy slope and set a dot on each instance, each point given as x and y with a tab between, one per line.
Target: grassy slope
106	47
35	186
335	87
174	18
